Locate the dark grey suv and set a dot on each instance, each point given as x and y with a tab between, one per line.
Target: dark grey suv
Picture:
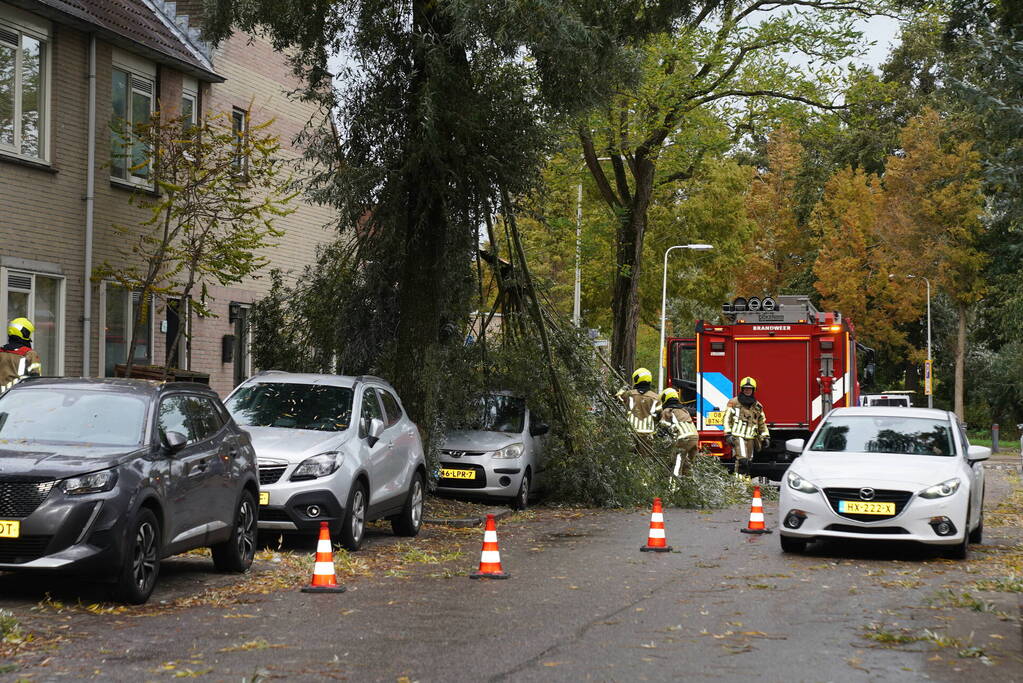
107	476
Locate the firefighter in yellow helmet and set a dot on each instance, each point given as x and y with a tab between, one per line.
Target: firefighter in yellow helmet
640	402
746	424
17	359
677	422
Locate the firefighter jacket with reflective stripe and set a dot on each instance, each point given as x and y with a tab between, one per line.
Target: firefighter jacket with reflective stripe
678	423
745	423
17	364
641	409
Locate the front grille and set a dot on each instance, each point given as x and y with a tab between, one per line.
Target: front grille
273	515
900	498
19	497
24	549
467	454
478	483
850	529
269	474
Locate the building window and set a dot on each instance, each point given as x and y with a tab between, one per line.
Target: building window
189	111
40	298
118	309
132	103
23	87
240	126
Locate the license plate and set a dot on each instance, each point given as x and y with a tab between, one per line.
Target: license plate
264	497
860	507
9	529
714	418
457	474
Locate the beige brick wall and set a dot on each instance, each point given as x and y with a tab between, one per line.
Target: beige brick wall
42	212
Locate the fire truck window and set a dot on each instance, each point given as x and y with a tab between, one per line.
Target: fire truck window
684	365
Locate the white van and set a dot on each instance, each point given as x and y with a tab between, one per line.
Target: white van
892	398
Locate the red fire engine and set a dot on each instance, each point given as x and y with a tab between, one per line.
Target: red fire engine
804	362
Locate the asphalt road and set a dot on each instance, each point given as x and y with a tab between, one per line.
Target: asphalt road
582	604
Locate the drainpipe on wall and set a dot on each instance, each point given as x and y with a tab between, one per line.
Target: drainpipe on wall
90	204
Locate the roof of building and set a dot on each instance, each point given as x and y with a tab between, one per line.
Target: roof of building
147	27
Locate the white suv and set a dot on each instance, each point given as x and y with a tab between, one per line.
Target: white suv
332	448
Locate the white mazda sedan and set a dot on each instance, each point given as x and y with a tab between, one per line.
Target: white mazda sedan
905	474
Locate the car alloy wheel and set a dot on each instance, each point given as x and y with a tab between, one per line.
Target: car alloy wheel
144	560
245	530
236	553
354	523
521	500
410	519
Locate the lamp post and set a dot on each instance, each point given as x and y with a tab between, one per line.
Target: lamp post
930	367
664	305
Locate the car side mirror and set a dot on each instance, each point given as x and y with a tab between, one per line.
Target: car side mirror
374	431
174	441
539	429
795	445
978	453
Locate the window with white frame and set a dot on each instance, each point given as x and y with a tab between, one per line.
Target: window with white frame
24	71
132	94
40	298
118	309
189	103
240	127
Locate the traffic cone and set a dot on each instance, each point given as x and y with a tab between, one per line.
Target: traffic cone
655	540
756	515
490	558
323	570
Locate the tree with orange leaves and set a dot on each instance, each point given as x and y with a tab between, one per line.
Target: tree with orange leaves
780	250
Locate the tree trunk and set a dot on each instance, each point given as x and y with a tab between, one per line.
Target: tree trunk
960	362
628	262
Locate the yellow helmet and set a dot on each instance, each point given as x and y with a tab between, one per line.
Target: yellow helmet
748	382
668	393
22	328
642	375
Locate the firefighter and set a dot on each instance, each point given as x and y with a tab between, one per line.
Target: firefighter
675	419
640	402
17	359
746	425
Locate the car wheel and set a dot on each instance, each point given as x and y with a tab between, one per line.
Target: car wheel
141	564
353	526
790	544
411	517
977	535
521	499
960	550
236	553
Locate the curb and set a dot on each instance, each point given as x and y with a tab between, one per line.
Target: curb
498	513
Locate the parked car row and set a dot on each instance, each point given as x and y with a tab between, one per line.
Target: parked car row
106	477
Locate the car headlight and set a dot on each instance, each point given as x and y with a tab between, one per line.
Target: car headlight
317	466
942	490
513	451
96	482
798	483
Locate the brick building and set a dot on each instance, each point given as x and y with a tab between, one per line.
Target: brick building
68	66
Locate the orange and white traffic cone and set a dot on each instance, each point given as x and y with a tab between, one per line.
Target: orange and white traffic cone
756	515
655	541
490	558
323	570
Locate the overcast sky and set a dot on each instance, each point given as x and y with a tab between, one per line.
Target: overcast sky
884	32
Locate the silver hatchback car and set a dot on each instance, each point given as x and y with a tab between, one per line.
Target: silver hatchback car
500	454
332	448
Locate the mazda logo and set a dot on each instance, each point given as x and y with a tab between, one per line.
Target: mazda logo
866	494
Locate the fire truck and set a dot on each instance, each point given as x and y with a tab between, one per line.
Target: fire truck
804	362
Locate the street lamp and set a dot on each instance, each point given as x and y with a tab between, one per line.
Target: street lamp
664	305
930	367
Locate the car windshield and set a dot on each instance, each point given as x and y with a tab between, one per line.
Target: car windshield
74	416
885	434
903	402
318	407
497	413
